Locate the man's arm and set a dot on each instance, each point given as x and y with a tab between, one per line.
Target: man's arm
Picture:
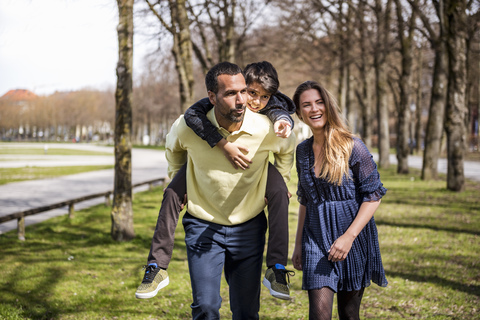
175	153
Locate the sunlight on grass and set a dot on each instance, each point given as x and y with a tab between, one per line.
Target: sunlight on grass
72	269
8	175
51	151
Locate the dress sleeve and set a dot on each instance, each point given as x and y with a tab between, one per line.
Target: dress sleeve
365	173
300	190
196	119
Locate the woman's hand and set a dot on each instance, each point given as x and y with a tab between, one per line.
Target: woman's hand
340	248
282	128
297	257
235	153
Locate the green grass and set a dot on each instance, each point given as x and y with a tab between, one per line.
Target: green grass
8	175
71	269
51	151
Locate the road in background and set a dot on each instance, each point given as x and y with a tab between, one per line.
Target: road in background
147	164
471	168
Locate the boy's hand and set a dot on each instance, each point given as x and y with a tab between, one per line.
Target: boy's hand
235	153
185	199
282	128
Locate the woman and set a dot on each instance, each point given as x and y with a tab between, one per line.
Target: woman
339	189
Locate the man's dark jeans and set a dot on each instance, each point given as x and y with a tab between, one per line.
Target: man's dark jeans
238	251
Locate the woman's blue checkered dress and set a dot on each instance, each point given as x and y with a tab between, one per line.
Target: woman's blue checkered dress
330	210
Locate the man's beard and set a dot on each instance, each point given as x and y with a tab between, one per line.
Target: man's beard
232	117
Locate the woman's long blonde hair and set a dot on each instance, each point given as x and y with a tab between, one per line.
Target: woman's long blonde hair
338	142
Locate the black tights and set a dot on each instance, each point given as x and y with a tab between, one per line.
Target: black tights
321	303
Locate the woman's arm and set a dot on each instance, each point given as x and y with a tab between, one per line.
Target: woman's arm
341	247
371	190
297	251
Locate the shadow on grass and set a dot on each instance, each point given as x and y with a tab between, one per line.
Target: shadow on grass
469	289
426	226
32	303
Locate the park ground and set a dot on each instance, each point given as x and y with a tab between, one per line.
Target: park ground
72	269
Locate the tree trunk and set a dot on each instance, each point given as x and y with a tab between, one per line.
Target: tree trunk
182	48
418	103
381	83
457	83
342	85
436	114
363	94
406	49
228	50
352	106
182	52
122	213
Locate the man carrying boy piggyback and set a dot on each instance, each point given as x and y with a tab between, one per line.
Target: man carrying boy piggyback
225	224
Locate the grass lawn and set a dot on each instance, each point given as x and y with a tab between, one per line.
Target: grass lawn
8	175
71	269
6	149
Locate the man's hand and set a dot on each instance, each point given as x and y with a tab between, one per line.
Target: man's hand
235	153
282	128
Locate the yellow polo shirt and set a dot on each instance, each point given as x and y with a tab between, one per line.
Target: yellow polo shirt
216	191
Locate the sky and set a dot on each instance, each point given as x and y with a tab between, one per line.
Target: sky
59	45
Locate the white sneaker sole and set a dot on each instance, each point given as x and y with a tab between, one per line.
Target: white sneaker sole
274	293
152	294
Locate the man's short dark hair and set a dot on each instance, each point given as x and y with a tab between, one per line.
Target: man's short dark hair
211	79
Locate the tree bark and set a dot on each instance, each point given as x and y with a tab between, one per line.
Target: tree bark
418	103
182	52
455	12
182	49
381	83
436	113
406	49
122	212
363	94
218	32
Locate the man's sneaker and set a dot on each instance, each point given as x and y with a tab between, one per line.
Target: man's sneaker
154	280
276	281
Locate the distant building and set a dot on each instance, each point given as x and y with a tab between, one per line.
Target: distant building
19	95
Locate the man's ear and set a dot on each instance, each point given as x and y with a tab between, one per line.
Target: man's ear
212	97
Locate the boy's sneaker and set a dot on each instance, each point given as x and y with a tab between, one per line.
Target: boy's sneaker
154	279
276	281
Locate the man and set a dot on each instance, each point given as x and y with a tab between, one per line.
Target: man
225	224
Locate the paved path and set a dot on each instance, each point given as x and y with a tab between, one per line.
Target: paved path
147	164
471	168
